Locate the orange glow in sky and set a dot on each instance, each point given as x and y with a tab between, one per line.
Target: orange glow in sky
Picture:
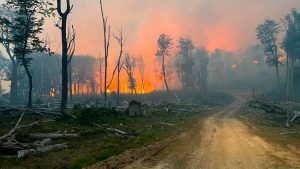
213	24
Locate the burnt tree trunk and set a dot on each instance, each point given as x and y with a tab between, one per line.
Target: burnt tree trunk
64	62
70	82
64	93
164	72
118	88
106	35
121	40
277	74
29	103
14	83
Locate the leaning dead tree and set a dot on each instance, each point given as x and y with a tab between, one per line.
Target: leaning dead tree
106	39
68	48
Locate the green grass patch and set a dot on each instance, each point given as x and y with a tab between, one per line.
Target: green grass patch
96	144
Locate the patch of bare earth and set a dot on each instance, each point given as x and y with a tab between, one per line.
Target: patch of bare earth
221	142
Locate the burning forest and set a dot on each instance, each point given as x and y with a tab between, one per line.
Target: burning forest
106	84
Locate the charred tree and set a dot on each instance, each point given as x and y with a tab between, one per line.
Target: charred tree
130	64
185	62
68	48
26	28
100	62
141	64
291	46
202	66
164	43
121	41
70	80
6	42
267	33
106	39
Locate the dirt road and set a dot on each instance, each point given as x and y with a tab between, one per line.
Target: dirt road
223	142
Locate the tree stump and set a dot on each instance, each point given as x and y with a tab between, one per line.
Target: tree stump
135	108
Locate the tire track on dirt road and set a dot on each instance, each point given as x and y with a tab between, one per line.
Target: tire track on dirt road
221	142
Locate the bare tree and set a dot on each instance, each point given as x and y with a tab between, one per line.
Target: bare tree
70	80
130	64
106	36
141	65
68	48
71	40
164	43
100	64
121	40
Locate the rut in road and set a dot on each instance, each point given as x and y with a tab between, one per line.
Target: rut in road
223	143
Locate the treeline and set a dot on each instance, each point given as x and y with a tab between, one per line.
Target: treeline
46	75
186	66
34	71
268	34
189	63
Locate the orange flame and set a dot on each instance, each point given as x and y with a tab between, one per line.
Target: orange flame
281	59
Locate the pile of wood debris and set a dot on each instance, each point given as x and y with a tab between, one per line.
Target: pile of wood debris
9	145
291	110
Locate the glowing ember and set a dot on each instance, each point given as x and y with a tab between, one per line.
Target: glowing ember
281	59
52	92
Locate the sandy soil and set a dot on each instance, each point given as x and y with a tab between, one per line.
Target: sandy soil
222	143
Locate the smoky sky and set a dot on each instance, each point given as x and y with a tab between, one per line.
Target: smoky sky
227	24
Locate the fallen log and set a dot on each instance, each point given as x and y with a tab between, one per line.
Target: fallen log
167	124
17	127
272	108
291	132
53	136
42	143
177	98
23	153
10	148
117	131
112	129
51	147
13	130
183	110
44	149
296	115
36	111
268	107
